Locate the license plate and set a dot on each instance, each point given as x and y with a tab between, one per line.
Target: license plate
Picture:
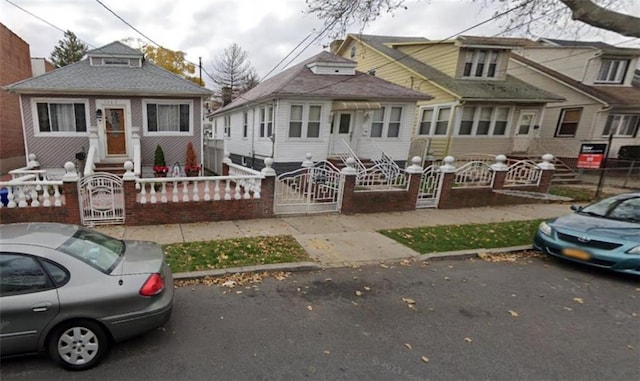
575	253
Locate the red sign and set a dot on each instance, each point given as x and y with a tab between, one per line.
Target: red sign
591	156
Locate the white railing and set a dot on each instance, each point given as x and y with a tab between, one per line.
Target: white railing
211	188
475	174
22	193
380	157
349	153
379	178
523	172
90	164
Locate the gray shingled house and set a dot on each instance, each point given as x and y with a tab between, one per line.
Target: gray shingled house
111	105
321	106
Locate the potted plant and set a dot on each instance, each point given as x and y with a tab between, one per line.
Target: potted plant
191	167
160	167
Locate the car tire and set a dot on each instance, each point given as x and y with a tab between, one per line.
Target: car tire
78	344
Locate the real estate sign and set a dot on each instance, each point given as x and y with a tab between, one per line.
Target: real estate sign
591	155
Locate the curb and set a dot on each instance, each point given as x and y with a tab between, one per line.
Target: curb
313	266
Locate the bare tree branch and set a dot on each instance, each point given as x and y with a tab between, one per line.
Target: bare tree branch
590	13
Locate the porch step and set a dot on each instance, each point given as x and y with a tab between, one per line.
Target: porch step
114	168
563	173
368	163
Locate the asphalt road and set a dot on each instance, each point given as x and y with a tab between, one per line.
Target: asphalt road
447	320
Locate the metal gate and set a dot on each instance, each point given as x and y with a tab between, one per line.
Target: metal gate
430	186
316	189
101	199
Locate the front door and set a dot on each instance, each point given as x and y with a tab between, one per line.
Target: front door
115	131
525	131
341	130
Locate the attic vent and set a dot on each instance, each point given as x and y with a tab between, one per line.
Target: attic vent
372	72
337	71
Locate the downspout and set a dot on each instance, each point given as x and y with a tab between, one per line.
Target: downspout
24	132
451	126
202	142
273	131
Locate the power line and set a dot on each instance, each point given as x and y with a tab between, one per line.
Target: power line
129	25
287	56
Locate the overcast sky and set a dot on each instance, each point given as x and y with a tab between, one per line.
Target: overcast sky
267	29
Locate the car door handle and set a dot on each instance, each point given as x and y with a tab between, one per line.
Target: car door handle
41	307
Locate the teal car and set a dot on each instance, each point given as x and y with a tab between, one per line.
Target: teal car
604	234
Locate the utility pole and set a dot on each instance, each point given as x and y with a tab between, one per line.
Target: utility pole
200	67
604	166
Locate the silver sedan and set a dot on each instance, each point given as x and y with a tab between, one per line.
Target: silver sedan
71	291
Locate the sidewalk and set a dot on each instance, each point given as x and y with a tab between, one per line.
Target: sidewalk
335	239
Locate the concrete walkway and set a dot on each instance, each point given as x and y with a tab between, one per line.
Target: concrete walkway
336	239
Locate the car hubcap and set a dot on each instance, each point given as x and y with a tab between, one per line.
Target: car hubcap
78	345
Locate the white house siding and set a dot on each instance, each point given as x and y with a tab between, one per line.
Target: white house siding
443	57
571	62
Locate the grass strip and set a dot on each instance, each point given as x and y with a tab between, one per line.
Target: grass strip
435	239
219	254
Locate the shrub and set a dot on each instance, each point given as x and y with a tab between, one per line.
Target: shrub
191	163
159	164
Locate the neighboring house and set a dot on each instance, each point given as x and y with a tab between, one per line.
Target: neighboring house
597	81
107	106
322	106
15	65
477	108
40	66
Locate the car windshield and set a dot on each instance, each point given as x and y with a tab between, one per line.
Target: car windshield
615	208
95	249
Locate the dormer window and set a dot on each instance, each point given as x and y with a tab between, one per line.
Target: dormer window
480	63
116	61
612	71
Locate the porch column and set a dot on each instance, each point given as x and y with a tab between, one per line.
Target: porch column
348	175
499	172
414	171
70	192
130	195
548	169
267	189
448	171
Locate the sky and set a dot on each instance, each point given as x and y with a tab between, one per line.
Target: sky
267	30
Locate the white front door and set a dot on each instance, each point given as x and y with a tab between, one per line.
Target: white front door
341	130
525	131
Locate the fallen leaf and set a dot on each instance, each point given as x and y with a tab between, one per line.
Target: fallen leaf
447	278
327	352
630	347
425	359
468	339
408	301
384	266
358	293
568	308
579	300
513	313
367	288
408	346
309	308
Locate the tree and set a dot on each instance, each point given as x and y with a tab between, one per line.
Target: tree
69	50
233	73
172	60
339	15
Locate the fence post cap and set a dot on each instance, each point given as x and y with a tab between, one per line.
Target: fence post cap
307	161
70	172
546	162
349	169
448	166
128	174
415	165
499	165
267	170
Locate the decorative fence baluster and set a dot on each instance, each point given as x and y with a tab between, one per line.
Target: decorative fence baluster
216	191
207	196
196	191
175	192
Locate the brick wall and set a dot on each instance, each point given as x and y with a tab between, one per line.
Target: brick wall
68	213
365	201
15	65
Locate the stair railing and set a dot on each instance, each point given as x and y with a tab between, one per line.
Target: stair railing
359	166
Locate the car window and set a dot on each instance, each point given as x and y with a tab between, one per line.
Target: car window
21	274
58	274
600	208
627	210
95	249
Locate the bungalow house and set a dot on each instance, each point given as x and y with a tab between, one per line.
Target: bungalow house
597	81
322	106
111	107
477	107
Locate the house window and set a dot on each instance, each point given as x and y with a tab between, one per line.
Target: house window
442	121
568	122
386	122
483	121
245	124
425	122
304	121
612	71
480	63
266	121
168	117
115	61
227	126
61	116
621	125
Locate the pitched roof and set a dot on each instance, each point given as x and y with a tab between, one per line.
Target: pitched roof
606	48
82	78
497	41
300	81
511	89
115	48
617	96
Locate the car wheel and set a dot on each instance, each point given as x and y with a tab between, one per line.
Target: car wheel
78	345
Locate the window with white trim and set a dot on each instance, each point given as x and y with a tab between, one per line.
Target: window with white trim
386	121
227	126
621	125
61	116
266	121
245	124
480	63
612	71
436	116
168	117
568	122
483	121
304	121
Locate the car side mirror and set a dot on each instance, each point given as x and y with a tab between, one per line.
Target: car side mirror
576	208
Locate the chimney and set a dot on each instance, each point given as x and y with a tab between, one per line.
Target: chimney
226	95
334	45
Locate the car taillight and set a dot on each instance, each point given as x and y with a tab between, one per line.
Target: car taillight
153	286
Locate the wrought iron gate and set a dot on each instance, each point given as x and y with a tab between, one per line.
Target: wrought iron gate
430	186
101	199
316	189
